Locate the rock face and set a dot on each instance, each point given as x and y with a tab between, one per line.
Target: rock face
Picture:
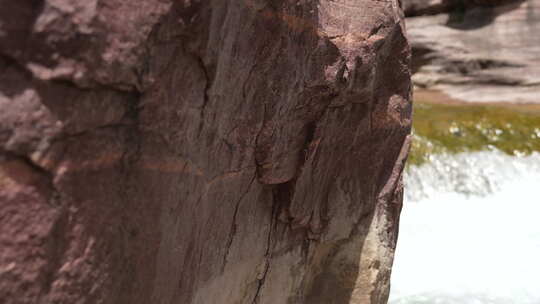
243	151
488	51
432	7
427	7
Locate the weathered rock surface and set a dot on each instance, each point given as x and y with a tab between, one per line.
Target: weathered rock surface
427	7
486	52
243	151
432	7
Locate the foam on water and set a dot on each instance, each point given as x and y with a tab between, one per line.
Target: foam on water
470	231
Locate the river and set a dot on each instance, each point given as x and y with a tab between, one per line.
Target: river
470	231
470	225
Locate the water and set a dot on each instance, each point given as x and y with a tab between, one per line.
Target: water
470	231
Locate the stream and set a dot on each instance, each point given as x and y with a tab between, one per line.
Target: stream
470	225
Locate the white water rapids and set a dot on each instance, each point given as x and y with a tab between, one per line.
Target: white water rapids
470	231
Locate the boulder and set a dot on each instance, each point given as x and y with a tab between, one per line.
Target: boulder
156	151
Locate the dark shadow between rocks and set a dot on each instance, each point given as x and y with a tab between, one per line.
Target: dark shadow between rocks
470	17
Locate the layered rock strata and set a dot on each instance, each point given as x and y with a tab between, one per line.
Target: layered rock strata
486	51
245	151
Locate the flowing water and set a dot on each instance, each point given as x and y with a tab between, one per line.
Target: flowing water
470	226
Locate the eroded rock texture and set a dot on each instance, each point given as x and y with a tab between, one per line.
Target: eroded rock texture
483	50
243	151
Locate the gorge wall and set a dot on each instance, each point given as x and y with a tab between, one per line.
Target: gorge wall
245	151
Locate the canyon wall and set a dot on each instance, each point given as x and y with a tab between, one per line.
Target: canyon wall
243	151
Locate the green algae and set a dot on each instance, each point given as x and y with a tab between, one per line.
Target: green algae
454	128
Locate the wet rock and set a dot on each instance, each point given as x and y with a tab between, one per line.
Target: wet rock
201	151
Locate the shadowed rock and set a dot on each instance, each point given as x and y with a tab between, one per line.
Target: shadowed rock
242	151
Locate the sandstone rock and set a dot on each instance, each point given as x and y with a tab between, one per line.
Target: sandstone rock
485	54
427	7
433	7
242	151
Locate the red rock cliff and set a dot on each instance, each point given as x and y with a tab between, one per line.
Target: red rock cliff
243	151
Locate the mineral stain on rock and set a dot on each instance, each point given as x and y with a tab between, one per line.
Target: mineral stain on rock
242	151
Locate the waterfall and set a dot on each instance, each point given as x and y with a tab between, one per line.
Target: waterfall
470	231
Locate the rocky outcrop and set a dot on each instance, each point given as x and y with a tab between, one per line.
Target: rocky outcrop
161	151
486	51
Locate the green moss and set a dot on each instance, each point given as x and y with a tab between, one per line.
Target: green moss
444	128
